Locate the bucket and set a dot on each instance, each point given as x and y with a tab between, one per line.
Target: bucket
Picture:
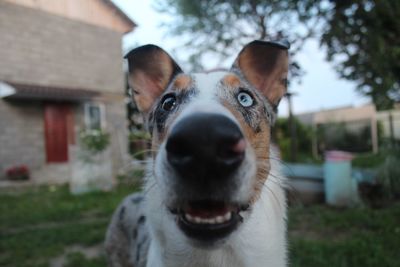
340	188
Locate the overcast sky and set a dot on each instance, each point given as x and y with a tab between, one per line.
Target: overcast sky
320	88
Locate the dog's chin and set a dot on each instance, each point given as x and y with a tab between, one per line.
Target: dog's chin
208	223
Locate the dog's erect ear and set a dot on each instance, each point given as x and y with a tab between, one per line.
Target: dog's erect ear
150	71
265	66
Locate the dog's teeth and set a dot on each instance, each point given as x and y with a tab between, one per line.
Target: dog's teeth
227	216
219	219
189	217
212	221
197	220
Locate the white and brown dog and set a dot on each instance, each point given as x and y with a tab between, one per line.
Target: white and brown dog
213	196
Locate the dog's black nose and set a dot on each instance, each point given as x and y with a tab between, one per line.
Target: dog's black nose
205	146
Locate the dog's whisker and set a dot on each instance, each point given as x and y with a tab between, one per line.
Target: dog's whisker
207	131
149	188
279	204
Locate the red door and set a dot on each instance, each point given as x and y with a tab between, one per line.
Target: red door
56	132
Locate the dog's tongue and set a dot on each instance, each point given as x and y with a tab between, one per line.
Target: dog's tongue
207	209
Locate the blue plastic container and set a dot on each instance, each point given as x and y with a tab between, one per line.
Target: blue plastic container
340	188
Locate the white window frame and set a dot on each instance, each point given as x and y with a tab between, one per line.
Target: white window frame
102	109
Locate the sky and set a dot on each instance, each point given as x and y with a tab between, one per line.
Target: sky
320	88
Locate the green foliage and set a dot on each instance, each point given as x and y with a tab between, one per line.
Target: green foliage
77	259
324	237
139	141
220	28
139	135
36	225
361	36
94	141
369	160
40	223
365	33
304	134
389	176
132	177
337	136
56	204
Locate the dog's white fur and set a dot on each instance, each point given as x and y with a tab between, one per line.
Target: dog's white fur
260	241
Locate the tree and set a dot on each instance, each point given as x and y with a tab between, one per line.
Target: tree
366	34
362	36
282	136
220	28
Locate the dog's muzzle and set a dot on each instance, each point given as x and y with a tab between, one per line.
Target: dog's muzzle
205	151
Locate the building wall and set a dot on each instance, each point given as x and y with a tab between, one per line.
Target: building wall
115	125
366	112
40	48
95	12
37	47
22	139
384	118
21	135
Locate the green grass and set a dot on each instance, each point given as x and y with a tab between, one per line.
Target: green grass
39	224
77	259
322	236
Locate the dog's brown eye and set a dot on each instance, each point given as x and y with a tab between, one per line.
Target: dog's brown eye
168	103
245	99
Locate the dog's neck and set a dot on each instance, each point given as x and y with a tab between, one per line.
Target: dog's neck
261	241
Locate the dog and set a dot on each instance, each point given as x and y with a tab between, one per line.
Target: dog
213	195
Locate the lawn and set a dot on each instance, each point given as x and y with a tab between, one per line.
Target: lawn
39	225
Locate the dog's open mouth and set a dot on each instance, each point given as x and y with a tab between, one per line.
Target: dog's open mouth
208	221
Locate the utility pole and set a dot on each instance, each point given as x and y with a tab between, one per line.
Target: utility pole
292	125
391	127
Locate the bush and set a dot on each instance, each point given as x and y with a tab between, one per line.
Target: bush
369	160
18	173
340	136
389	176
94	141
304	133
138	144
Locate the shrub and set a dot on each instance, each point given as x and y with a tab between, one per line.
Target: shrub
94	141
18	173
282	136
389	176
138	143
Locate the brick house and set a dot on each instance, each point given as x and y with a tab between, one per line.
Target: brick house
61	71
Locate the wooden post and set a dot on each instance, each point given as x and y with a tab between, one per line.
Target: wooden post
391	127
292	125
374	135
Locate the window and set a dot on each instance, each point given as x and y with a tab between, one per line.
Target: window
94	116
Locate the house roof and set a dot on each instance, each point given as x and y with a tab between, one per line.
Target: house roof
104	13
121	13
40	92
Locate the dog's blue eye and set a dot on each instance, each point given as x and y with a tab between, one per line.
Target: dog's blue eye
168	103
245	99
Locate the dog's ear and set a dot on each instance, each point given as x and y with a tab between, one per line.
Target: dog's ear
265	66
150	71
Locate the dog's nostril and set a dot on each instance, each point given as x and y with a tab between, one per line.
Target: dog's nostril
239	147
232	153
178	151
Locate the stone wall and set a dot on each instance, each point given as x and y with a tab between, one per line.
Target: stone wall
22	139
21	135
44	49
37	47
